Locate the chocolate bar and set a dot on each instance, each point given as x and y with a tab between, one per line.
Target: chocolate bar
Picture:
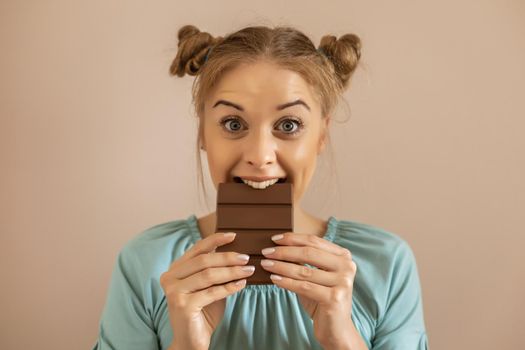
255	215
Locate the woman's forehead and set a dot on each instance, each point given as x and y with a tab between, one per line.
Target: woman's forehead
258	83
258	78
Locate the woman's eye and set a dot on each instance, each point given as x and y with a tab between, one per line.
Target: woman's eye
233	123
288	126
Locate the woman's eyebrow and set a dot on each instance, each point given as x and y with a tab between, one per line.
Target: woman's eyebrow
278	108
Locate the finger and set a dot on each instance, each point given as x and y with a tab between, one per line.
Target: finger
301	239
308	289
302	272
206	245
307	255
207	296
204	261
213	276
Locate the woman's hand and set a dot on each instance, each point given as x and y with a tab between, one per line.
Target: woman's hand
326	292
195	287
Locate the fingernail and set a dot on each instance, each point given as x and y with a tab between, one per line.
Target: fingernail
276	277
230	234
250	268
243	257
268	251
343	251
240	283
277	237
267	263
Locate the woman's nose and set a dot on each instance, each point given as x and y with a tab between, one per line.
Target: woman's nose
259	150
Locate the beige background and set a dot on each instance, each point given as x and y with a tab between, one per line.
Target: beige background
97	144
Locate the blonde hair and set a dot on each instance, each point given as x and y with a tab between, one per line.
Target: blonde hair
327	69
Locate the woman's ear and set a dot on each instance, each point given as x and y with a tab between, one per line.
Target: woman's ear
325	123
202	141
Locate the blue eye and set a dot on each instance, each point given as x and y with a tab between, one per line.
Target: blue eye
235	124
288	125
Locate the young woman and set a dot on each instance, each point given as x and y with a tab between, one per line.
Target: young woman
264	99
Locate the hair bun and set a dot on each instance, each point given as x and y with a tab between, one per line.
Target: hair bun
344	53
193	46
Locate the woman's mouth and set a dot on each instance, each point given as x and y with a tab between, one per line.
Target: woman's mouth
260	185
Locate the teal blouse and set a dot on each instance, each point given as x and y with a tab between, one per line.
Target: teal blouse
386	303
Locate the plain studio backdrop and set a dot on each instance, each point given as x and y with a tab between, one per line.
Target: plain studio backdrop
97	144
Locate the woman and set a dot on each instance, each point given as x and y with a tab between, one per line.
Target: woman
264	98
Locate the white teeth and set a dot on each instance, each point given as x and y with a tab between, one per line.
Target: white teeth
260	185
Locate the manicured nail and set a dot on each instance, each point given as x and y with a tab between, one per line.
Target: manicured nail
267	263
240	283
267	251
230	234
277	237
243	257
276	277
250	268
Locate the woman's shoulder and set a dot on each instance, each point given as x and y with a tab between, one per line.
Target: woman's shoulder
366	235
373	246
167	231
159	245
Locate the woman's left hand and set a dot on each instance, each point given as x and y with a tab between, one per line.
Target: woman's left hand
326	292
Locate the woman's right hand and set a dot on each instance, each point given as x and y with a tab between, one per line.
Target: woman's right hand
196	286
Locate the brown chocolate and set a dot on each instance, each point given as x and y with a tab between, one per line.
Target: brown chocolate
255	215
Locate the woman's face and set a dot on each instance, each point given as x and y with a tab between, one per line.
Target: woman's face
255	126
